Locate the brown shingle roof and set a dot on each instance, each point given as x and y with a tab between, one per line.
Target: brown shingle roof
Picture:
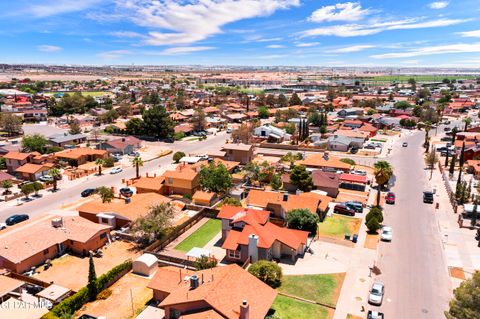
262	199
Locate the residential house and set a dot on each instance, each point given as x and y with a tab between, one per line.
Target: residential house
247	233
185	128
50	238
123	145
204	198
32	172
149	184
349	112
16	159
327	182
35	115
325	162
61	140
82	155
183	180
220	292
5	177
120	212
343	143
271	133
238	152
353	182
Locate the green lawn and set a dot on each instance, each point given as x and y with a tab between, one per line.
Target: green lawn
336	226
201	236
320	288
288	308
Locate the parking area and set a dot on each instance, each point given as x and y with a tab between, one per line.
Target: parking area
72	271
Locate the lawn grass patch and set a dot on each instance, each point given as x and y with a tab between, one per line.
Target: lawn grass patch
323	288
288	308
336	226
201	236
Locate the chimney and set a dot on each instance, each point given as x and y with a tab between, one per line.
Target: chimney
285	196
194	282
57	222
253	247
244	310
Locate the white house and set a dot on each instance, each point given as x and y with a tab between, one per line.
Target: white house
271	132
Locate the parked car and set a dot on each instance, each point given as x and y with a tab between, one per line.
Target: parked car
356	206
343	210
446	139
386	234
390	198
46	178
116	170
369	147
428	197
229	130
3	226
199	133
405	144
376	293
126	191
15	219
87	192
375	315
358	172
354	150
447	129
134	154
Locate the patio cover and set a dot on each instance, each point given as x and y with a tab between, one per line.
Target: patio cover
197	252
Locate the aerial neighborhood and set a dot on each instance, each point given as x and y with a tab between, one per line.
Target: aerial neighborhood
235	194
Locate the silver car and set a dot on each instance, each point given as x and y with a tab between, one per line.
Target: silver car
375	296
387	233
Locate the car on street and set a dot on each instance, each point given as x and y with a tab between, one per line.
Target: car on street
428	197
405	144
126	191
343	210
386	234
116	170
390	198
358	172
87	192
446	139
356	206
45	178
3	226
15	219
375	297
369	147
199	133
375	315
134	154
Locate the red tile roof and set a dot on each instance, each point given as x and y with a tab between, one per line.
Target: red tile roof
238	214
353	178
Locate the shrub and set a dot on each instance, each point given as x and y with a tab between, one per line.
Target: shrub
268	272
232	202
302	219
376	213
373	225
177	156
108	162
178	136
205	262
348	161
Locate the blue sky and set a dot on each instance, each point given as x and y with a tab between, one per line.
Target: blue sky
242	32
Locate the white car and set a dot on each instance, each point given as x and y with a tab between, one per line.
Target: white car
3	226
375	296
116	170
387	233
46	178
358	172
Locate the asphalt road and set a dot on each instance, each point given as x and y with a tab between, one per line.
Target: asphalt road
71	194
412	266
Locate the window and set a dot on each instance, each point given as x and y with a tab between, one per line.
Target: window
234	254
170	181
45	251
104	220
103	235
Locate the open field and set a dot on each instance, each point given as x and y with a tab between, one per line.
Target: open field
418	78
201	236
336	226
288	308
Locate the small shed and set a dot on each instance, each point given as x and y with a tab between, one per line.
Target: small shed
145	265
54	293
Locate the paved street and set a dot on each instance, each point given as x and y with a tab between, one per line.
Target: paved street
413	266
54	201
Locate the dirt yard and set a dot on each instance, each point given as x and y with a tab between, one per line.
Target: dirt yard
72	271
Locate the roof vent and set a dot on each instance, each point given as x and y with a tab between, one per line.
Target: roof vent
57	222
194	282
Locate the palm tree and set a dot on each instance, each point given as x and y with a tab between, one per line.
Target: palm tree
56	174
106	194
137	162
383	171
100	162
467	121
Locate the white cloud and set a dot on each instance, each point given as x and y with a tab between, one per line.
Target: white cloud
432	50
48	48
353	48
307	44
183	22
115	54
353	30
275	46
470	34
184	50
127	34
348	11
54	7
438	5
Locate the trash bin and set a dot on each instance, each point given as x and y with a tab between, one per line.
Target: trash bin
347	236
355	238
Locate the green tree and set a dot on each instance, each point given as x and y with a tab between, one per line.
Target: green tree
303	219
137	162
155	224
229	201
295	100
3	163
199	120
301	178
376	213
348	161
467	121
282	101
466	300
383	171
34	143
27	189
403	105
290	158
56	175
7	184
276	182
11	124
215	178
37	186
451	169
157	122
462	156
75	127
134	126
204	262
263	112
373	225
106	194
92	289
177	156
100	162
431	159
267	271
